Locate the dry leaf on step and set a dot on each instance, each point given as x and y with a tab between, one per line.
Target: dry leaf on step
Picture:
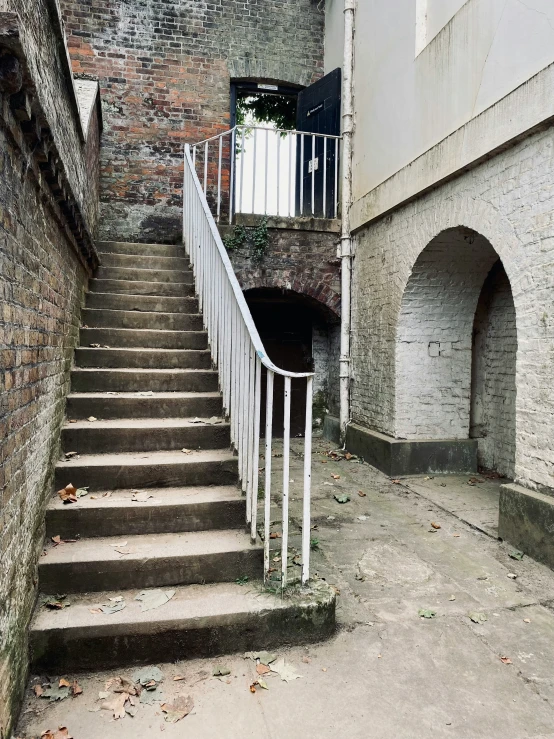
262	669
435	525
116	704
63	683
181	707
151	599
286	672
68	494
91	419
76	689
38	690
61	733
141	497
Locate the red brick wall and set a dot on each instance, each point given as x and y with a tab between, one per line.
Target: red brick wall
165	68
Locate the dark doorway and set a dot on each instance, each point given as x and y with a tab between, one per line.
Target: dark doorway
296	333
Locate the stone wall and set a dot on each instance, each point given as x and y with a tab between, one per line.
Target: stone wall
509	200
164	68
47	215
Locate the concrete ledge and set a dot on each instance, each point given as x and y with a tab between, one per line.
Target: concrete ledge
396	457
294	223
331	429
526	520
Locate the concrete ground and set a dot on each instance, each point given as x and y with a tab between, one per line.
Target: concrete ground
388	673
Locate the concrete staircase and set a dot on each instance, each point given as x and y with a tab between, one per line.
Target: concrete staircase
144	374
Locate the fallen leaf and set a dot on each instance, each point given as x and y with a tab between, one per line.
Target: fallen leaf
116	705
61	733
186	451
151	599
54	693
456	536
395	482
452	597
117	599
342	498
94	346
275	536
426	613
63	683
148	675
72	420
68	494
76	689
478	618
81	492
215	420
335	477
362	495
435	525
517	555
109	608
253	688
181	707
220	671
286	672
262	669
512	576
262	683
56	602
265	657
196	420
526	620
178	677
92	419
38	690
68	455
121	685
506	660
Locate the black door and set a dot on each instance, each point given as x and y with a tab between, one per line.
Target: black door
318	111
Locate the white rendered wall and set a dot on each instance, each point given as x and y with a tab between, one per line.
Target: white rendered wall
334	34
406	104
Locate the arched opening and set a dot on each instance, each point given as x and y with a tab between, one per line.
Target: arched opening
300	334
456	349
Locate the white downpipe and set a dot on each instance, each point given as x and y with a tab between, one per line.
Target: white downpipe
346	240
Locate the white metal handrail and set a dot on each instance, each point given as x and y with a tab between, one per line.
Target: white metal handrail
257	169
239	354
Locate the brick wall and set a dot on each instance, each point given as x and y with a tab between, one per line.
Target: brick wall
509	200
304	261
165	69
47	209
493	411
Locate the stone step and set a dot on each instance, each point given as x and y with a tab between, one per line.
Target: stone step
149	561
132	405
145	275
142	303
143	434
153	339
148	470
199	621
135	358
168	510
85	380
95	318
135	261
137	287
126	247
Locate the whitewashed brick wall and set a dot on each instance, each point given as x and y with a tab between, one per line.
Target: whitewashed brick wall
493	402
509	200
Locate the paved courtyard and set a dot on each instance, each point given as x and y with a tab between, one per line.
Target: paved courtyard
394	549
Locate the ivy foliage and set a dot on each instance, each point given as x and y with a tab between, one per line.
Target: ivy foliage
277	109
255	239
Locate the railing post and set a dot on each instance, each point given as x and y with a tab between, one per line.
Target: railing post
286	474
267	486
306	507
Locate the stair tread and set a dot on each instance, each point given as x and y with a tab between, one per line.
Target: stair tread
145	459
144	370
143	547
161	497
191	607
142	350
140	394
143	423
139	312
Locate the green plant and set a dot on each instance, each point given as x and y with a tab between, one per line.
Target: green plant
242	580
256	238
314	544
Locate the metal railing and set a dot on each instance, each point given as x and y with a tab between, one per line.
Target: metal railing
269	171
239	355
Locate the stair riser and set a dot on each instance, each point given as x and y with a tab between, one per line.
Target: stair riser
143	262
134	382
116	646
143	303
105	440
151	572
145	275
115	359
135	319
129	338
72	522
134	287
118	407
110	477
153	250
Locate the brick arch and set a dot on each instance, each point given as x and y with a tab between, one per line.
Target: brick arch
271	69
317	290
